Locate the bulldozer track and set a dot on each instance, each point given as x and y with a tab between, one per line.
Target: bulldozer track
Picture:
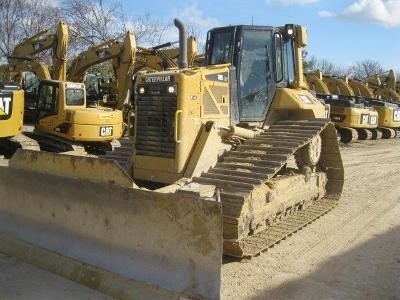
253	164
122	153
281	230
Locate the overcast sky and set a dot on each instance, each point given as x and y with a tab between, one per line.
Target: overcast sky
342	32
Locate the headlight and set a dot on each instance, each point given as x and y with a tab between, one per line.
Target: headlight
171	89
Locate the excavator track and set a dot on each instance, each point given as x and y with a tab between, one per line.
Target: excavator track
244	173
9	146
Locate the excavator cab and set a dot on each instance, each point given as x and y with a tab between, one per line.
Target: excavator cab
62	112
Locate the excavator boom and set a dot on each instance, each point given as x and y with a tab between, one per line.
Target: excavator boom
94	55
123	57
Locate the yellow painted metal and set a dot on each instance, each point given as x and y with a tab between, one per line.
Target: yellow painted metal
104	229
384	86
89	210
11	113
354	116
389	115
125	69
84	124
316	83
201	99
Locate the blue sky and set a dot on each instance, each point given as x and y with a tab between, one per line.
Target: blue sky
342	32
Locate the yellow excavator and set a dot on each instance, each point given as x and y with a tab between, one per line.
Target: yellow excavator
212	173
353	120
384	86
123	57
21	63
11	110
388	112
127	59
11	120
62	119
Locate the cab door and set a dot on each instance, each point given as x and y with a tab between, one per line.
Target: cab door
47	107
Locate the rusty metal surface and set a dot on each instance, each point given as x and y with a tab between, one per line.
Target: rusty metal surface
77	167
170	242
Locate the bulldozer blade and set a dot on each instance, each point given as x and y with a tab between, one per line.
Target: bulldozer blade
124	241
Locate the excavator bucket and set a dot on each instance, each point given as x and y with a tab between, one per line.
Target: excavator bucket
84	218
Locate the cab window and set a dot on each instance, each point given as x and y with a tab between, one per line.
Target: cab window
48	96
75	96
222	48
255	74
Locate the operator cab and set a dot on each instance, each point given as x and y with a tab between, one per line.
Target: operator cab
264	60
54	97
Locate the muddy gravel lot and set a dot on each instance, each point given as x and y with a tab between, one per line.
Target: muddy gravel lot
353	252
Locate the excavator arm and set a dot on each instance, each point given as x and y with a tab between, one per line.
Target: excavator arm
35	44
21	58
123	56
60	52
384	86
94	55
39	68
361	89
316	83
125	69
338	86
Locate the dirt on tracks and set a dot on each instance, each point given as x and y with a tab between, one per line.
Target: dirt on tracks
353	252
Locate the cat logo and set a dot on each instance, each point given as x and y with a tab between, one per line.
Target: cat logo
5	106
106	131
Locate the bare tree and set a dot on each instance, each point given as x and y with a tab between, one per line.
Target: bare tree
327	68
20	19
37	15
148	31
92	22
366	68
9	14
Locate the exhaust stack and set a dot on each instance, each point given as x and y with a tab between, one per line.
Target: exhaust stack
183	63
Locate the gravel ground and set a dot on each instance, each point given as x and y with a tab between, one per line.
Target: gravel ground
353	252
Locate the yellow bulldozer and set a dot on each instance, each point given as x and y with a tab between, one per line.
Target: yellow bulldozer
353	119
229	159
61	119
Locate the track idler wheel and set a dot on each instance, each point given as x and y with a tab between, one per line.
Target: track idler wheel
347	135
364	134
309	154
376	134
388	133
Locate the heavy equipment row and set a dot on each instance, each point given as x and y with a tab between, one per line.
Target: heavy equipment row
360	109
57	107
230	155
